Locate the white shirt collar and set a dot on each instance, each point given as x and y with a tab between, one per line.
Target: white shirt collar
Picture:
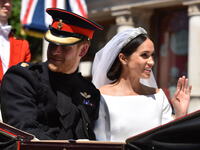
5	30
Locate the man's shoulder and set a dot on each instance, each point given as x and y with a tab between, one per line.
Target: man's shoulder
17	38
28	66
26	69
30	73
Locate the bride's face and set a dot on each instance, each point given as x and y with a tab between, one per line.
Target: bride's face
140	62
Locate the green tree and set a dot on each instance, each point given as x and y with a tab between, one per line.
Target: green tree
15	17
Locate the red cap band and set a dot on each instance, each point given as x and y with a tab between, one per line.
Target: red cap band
73	29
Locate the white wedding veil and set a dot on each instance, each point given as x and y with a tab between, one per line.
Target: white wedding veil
105	57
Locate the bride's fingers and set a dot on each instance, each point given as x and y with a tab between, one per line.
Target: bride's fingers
179	84
185	85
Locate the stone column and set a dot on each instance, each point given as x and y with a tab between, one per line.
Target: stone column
127	18
124	19
194	55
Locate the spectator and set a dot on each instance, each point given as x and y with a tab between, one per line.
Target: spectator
12	50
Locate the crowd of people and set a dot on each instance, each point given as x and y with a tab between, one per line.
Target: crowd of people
52	100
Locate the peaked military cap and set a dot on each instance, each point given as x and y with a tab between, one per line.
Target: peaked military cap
69	28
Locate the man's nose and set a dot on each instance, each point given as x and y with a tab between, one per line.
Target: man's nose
57	50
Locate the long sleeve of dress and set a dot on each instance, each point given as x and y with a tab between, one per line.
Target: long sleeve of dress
166	110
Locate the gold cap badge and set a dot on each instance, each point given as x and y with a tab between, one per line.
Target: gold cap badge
60	24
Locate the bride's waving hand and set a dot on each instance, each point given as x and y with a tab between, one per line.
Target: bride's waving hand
181	98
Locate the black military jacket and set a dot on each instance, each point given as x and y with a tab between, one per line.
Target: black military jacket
47	104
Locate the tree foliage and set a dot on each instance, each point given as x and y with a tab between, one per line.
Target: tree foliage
15	17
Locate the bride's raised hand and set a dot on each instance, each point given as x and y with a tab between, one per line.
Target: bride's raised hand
181	98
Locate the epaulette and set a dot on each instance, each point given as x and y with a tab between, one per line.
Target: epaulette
24	64
31	66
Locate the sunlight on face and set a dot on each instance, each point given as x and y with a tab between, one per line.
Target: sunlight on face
5	9
140	62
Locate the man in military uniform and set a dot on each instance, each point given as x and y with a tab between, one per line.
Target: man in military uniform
51	99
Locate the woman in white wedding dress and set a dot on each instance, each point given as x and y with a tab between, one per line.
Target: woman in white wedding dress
131	103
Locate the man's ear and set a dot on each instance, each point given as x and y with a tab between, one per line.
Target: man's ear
122	58
84	49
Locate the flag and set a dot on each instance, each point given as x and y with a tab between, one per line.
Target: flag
78	7
35	20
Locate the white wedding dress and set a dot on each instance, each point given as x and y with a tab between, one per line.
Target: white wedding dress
121	117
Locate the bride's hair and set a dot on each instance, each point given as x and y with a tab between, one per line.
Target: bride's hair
115	71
